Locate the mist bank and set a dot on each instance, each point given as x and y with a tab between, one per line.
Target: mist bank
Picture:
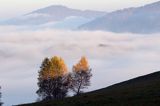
113	57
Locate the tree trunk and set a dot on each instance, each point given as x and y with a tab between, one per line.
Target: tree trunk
79	86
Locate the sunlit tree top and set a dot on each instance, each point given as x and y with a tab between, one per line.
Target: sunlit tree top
52	68
82	65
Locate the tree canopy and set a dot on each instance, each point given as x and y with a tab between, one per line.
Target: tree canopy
52	68
82	65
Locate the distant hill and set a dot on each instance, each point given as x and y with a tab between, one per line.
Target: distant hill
141	91
53	15
145	19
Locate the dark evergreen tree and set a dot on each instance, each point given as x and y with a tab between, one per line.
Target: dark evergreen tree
0	97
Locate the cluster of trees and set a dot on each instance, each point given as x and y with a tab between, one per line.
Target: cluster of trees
55	81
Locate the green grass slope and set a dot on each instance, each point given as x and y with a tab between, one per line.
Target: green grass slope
141	91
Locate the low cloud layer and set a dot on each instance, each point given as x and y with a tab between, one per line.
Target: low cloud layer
111	55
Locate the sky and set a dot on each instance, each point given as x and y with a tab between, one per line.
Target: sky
13	8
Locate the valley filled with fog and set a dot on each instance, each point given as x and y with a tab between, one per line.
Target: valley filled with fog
113	57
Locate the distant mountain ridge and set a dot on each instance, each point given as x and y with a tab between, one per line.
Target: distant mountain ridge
54	14
63	11
143	19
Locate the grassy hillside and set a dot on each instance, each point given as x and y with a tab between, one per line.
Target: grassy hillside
141	91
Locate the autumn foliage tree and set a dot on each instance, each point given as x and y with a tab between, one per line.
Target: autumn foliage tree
53	81
80	76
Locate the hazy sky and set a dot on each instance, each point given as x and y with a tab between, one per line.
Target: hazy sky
12	8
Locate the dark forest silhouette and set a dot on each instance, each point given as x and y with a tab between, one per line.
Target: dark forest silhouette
0	97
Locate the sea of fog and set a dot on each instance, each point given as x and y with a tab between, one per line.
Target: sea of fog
113	57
